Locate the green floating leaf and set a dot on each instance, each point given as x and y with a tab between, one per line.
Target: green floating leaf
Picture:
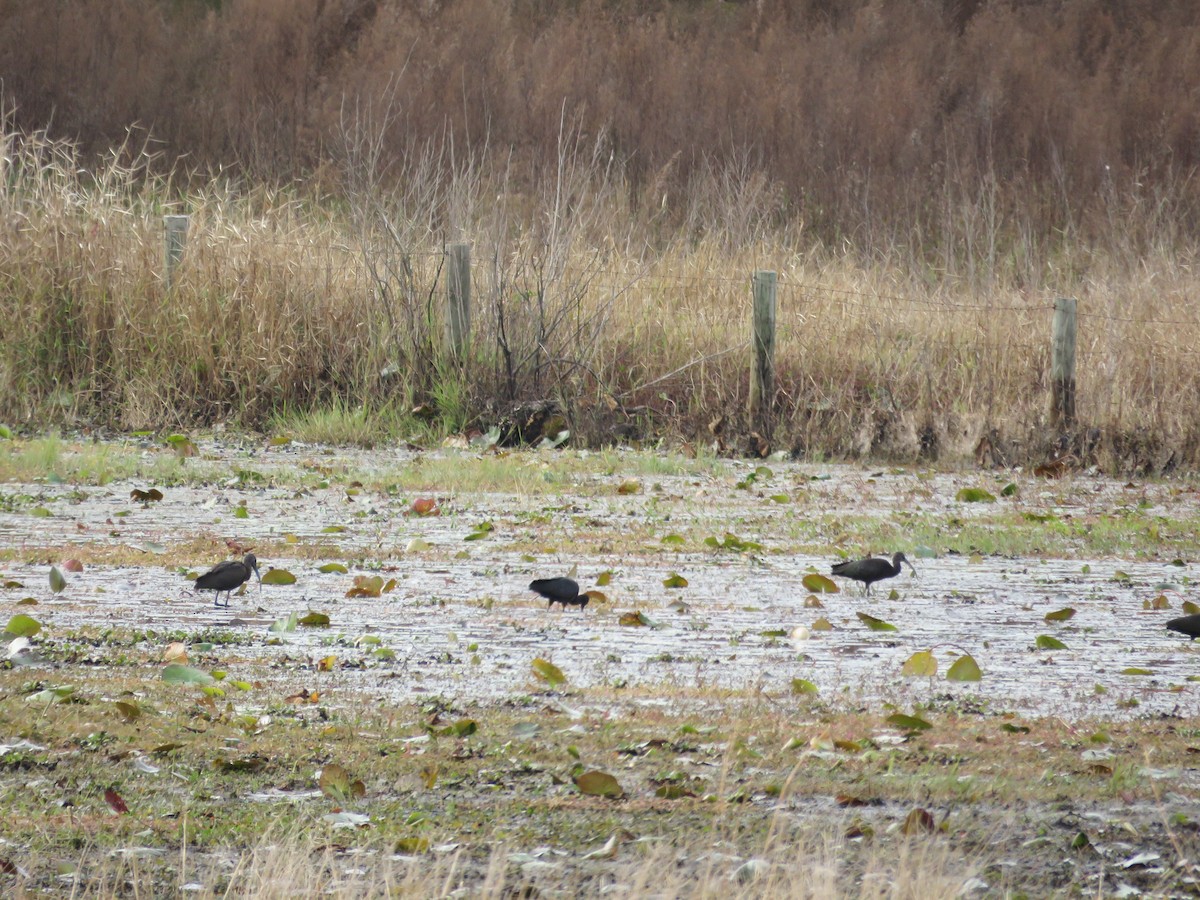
336	784
604	578
1136	670
40	512
964	669
732	542
1060	615
460	729
482	530
921	664
127	711
803	686
598	784
337	567
780	498
5	432
314	619
279	576
52	695
875	624
286	624
974	495
908	723
57	582
1190	607
548	672
180	674
819	584
240	512
1010	490
526	730
1048	642
675	580
22	625
333	529
673	540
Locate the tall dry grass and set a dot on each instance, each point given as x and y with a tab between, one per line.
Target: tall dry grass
807	864
627	306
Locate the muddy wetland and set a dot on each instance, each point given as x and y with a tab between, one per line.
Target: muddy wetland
394	713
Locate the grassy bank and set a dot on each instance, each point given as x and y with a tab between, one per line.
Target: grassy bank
322	310
154	787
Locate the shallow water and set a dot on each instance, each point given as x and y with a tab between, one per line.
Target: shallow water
468	629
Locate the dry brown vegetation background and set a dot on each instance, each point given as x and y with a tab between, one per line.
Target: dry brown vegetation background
926	176
868	115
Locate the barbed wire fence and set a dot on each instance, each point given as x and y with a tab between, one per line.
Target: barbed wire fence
808	318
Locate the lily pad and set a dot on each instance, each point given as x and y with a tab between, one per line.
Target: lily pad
599	784
548	672
964	669
819	584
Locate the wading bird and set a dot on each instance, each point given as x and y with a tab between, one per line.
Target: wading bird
560	590
871	569
1189	625
226	576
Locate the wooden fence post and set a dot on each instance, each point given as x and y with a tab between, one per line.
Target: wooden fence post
1062	365
458	299
762	373
176	229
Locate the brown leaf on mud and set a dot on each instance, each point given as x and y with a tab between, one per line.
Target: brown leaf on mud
425	506
73	565
175	652
113	799
918	821
849	800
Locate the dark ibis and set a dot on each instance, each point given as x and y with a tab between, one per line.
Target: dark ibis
872	569
225	576
1189	625
560	590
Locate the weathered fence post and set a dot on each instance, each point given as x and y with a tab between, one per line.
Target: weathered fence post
1062	365
762	374
176	229
458	299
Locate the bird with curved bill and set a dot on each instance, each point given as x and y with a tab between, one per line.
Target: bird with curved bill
872	569
560	590
1189	625
225	576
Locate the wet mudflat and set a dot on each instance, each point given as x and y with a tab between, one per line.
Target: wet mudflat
746	721
460	622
